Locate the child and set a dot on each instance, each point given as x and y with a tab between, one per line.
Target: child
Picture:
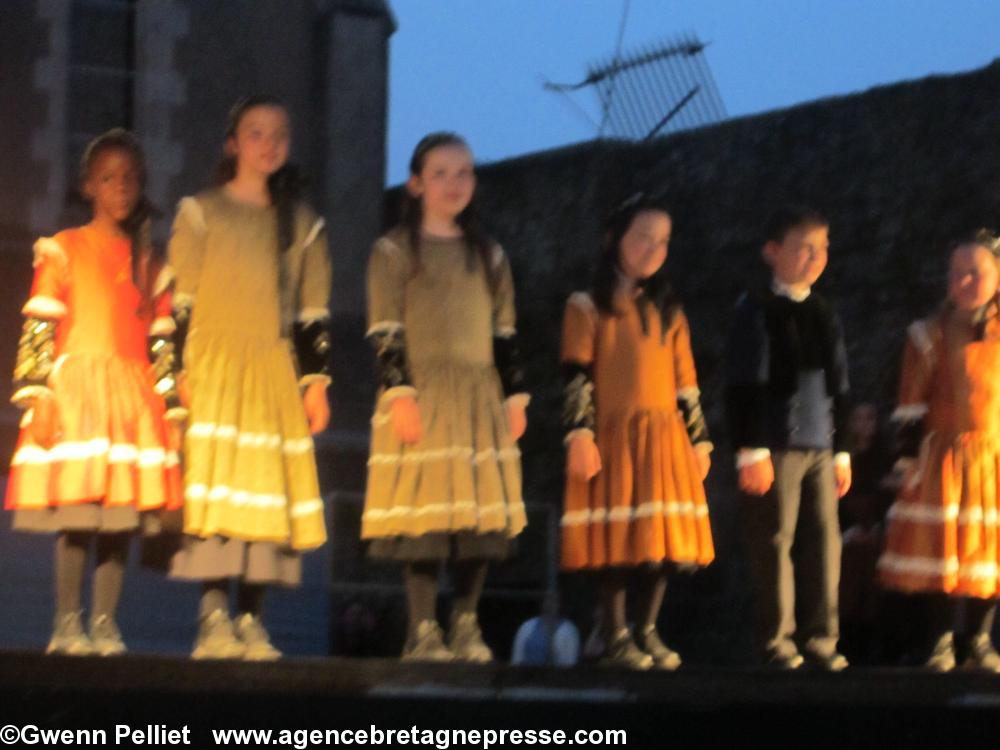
942	536
253	281
787	398
444	476
93	462
638	445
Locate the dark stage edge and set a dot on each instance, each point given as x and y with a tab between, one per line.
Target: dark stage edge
857	708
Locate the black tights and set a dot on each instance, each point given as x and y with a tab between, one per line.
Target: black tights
421	581
215	595
109	572
651	588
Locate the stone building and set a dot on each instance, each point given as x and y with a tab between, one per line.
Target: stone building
170	70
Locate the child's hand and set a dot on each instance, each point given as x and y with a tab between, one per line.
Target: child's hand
517	418
45	426
842	475
406	422
757	478
583	459
317	407
704	462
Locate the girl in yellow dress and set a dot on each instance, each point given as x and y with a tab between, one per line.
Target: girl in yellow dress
638	446
942	539
253	282
94	461
444	475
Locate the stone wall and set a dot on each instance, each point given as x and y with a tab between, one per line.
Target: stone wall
899	170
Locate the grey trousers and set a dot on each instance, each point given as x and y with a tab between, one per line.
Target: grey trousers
792	538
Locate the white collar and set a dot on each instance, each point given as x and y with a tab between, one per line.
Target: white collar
783	290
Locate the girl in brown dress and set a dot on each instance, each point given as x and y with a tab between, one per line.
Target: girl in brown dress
253	285
638	446
444	475
942	540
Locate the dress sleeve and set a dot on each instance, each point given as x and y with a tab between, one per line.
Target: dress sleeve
186	251
388	270
506	353
46	307
312	323
688	393
914	389
577	357
186	254
163	345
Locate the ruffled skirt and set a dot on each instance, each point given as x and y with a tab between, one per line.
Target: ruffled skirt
647	504
464	475
250	467
942	534
110	461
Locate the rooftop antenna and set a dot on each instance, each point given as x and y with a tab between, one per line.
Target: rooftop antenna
654	90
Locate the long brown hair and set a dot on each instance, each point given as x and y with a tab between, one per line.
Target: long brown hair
478	243
285	186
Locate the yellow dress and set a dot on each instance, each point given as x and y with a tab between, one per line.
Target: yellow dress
464	476
647	504
250	470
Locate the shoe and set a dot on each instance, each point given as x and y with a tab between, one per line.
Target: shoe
783	662
648	640
982	656
105	637
465	639
68	636
621	651
427	644
942	657
256	642
217	639
832	662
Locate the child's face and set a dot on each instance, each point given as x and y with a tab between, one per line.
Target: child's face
262	140
446	182
800	258
113	184
643	247
972	277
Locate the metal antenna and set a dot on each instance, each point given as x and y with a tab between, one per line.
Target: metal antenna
654	90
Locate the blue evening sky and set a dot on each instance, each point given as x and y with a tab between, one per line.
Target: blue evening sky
476	66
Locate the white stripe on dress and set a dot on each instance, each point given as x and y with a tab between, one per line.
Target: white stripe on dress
628	513
933	566
228	432
118	453
437	454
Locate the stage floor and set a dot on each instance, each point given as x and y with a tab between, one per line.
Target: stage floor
857	708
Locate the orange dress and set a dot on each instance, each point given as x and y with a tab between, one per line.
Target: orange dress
647	504
110	459
942	534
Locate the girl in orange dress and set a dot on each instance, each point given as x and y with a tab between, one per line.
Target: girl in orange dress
638	446
93	462
942	535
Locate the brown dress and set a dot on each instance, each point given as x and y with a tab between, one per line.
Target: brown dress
252	500
460	486
942	534
647	504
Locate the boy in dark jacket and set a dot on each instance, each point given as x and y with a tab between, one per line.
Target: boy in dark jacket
787	388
